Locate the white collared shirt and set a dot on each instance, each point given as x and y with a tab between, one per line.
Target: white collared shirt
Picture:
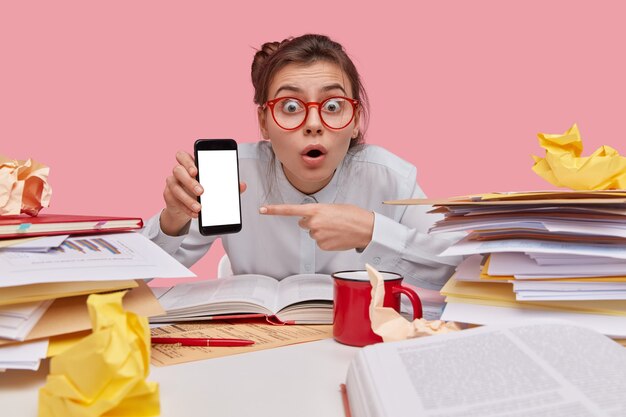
276	246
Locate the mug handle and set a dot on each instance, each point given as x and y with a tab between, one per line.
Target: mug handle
413	297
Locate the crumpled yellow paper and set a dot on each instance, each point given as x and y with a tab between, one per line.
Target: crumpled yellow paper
390	325
24	186
563	166
104	373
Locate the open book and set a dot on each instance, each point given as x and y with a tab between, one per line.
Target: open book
533	369
304	299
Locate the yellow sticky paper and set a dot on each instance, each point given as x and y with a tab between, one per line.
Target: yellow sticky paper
24	186
563	166
62	342
104	373
390	325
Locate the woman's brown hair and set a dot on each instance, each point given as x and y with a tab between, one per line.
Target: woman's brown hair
306	49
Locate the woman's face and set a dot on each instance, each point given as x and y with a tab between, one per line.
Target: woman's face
311	153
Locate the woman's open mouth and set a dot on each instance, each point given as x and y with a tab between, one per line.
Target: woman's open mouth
313	155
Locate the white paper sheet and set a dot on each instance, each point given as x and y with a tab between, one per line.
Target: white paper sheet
567	286
614	326
591	228
23	355
523	267
569	295
566	259
470	247
17	320
101	257
42	244
469	270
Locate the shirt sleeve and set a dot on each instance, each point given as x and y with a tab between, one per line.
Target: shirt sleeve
186	248
403	245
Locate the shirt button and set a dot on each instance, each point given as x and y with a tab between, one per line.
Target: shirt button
307	267
376	260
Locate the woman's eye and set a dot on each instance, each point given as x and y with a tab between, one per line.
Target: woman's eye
291	106
333	105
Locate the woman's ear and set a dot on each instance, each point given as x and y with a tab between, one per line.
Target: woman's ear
357	120
262	123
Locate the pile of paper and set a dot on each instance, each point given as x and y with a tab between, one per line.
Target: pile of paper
46	281
557	254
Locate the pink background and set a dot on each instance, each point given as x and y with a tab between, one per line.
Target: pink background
106	92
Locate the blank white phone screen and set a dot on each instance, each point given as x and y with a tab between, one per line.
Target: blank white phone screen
218	176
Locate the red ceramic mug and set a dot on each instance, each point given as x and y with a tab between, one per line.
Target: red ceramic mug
352	298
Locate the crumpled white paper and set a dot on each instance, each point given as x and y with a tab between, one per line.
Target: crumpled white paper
390	325
24	186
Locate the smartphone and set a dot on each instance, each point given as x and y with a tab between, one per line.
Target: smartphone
218	173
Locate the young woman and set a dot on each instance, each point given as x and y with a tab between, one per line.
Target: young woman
312	191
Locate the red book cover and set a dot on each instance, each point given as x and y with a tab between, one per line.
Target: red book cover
61	224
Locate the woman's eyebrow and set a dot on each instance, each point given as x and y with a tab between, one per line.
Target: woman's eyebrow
334	87
288	87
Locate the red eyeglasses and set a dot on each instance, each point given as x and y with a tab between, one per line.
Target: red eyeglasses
290	113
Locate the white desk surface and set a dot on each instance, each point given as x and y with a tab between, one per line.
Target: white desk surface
299	380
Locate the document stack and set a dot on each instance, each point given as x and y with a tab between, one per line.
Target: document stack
47	276
538	254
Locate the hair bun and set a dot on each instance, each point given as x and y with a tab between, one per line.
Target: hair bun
262	56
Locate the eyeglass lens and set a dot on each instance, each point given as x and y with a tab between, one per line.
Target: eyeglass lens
336	112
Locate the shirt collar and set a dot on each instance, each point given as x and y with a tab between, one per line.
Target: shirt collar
291	195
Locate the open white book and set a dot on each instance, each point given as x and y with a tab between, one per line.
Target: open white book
535	369
304	299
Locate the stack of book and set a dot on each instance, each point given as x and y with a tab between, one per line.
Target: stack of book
51	263
559	254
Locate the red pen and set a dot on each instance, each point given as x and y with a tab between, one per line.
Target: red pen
202	341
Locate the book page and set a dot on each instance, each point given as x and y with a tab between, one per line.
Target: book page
527	370
304	287
222	296
585	359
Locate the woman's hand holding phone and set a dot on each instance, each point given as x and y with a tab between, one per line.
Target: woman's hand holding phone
218	173
181	195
